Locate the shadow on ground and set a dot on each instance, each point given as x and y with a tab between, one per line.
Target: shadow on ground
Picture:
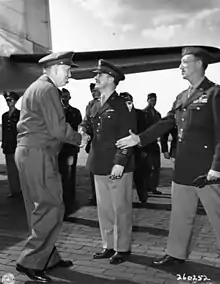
68	276
188	268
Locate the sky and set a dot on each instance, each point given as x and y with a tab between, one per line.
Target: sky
86	25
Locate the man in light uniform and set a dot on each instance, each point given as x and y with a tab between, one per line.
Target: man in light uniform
42	129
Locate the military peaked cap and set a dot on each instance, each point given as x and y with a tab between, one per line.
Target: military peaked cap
126	96
60	58
198	52
108	68
11	95
151	96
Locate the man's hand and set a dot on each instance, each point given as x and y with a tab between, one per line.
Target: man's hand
70	161
128	141
213	175
85	139
166	155
117	172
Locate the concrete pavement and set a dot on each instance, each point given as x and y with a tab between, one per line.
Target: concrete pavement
80	239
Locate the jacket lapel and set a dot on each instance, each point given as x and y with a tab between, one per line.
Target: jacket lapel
106	105
198	92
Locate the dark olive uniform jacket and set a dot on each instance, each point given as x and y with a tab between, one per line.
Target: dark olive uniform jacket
9	131
107	124
198	123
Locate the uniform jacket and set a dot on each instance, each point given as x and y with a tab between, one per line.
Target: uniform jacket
42	121
108	123
152	116
198	123
74	118
164	142
9	131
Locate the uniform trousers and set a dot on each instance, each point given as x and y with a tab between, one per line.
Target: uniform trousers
184	208
114	204
42	192
13	176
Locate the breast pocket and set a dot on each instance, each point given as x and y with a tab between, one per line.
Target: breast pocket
199	113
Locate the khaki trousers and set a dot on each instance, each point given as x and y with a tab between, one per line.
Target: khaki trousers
12	172
114	203
184	209
42	192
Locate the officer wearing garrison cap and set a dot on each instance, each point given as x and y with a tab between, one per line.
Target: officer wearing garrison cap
110	119
196	111
42	129
9	142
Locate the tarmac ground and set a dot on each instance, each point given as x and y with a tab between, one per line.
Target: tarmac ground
80	239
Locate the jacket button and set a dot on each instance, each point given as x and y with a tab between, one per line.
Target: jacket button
198	108
183	119
205	146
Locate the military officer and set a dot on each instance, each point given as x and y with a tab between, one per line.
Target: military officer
140	177
68	155
41	130
109	120
169	152
9	142
96	97
152	150
196	112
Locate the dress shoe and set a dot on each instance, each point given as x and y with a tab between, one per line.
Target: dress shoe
34	274
155	191
62	263
119	257
106	253
168	260
92	201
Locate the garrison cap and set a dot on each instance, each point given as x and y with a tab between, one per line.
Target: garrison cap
108	68
126	96
11	95
198	52
59	58
65	94
151	96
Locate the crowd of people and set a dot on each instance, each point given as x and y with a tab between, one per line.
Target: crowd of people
42	141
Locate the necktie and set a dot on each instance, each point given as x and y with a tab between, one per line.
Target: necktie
190	91
102	99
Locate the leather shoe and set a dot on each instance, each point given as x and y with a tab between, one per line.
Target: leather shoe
62	263
168	260
106	253
34	274
119	257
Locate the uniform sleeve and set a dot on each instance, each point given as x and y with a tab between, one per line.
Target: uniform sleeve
55	118
158	129
86	124
127	121
164	142
216	118
2	131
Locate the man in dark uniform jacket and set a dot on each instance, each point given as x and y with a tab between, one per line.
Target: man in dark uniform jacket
113	168
68	155
9	142
96	97
169	152
152	150
140	177
196	112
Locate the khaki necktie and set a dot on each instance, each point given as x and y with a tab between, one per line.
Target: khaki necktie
102	100
190	91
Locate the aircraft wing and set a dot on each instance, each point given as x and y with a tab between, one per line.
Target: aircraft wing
18	71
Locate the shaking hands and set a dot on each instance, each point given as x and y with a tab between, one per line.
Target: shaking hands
85	138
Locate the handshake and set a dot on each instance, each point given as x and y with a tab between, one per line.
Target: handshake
85	138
